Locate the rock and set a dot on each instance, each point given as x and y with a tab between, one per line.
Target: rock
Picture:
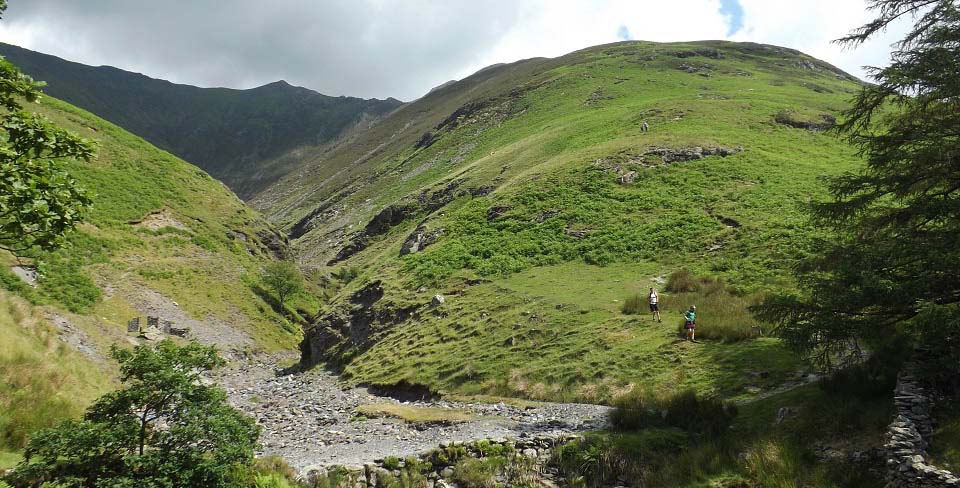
628	178
496	212
783	414
419	239
546	214
437	300
312	475
28	274
446	472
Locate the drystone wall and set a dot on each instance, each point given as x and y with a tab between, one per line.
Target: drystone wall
535	452
907	436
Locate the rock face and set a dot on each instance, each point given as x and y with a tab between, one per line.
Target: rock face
351	327
420	238
906	439
396	213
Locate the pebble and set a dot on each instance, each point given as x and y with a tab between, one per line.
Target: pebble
309	418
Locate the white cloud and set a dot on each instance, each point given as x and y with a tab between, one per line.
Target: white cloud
556	27
400	48
811	25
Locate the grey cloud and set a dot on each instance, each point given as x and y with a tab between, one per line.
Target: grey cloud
368	48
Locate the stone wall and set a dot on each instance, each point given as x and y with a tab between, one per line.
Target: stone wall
536	451
906	445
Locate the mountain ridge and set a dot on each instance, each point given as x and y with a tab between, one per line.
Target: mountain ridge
237	135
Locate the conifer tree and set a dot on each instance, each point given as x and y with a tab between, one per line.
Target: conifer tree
893	271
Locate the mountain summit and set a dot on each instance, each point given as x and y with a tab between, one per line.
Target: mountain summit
238	136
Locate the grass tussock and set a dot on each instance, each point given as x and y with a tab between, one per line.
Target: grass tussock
685	410
42	380
723	314
414	415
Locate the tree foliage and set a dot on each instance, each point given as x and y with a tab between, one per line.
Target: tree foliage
283	278
893	265
39	201
164	428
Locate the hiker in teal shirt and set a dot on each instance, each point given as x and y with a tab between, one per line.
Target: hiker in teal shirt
691	322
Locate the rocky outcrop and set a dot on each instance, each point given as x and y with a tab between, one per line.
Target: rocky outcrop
420	238
351	328
906	446
705	52
275	242
396	213
691	153
791	118
437	464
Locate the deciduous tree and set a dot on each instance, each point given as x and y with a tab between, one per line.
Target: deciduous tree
163	428
283	278
39	201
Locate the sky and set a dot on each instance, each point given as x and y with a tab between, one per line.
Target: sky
403	48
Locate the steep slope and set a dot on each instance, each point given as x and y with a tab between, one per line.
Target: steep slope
163	238
532	198
238	136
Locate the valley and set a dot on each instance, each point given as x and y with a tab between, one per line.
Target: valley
390	282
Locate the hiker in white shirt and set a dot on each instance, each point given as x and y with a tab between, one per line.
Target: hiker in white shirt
654	306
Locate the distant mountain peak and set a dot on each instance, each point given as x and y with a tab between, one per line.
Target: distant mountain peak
235	135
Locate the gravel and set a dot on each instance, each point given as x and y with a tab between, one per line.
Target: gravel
309	418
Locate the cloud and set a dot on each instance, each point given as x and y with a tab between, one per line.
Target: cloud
380	48
812	25
734	10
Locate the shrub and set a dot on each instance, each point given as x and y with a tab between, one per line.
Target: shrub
681	281
592	461
684	410
274	466
392	463
476	473
272	481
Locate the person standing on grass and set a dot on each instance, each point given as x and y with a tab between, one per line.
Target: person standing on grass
690	323
654	306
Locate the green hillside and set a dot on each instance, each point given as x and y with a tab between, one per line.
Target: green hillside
536	204
241	137
163	237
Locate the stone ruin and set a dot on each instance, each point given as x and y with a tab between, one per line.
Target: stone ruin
156	328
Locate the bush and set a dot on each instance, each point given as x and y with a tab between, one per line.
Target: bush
641	409
476	473
592	461
274	465
681	281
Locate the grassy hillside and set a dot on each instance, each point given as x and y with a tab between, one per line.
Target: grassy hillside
42	379
545	205
241	137
162	236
